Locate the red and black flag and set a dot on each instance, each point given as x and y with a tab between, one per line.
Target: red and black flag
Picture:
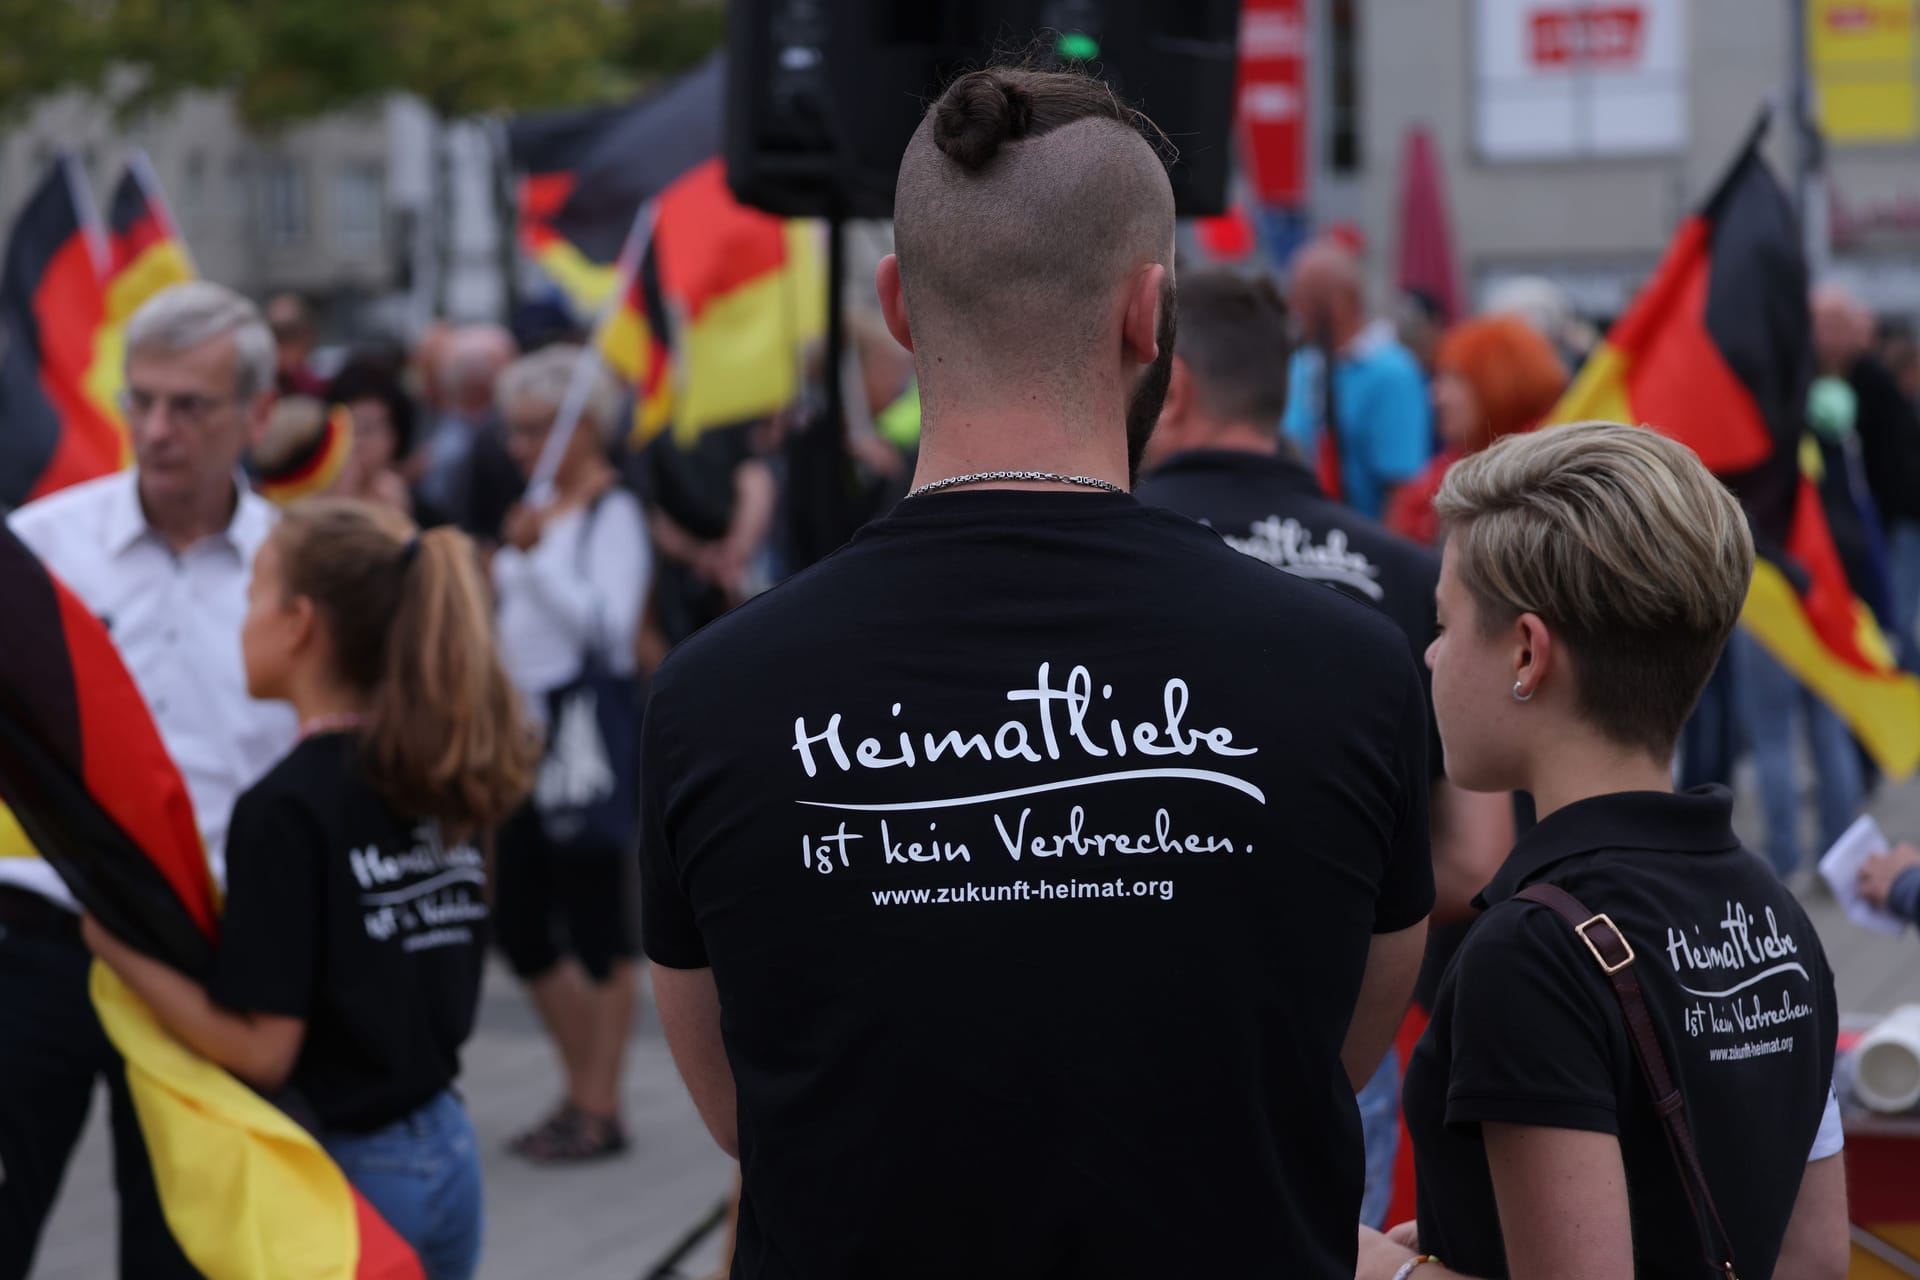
52	300
245	1190
1717	352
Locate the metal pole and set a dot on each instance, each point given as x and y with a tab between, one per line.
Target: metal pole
1810	185
836	329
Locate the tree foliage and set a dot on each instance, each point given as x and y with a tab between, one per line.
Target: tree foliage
288	60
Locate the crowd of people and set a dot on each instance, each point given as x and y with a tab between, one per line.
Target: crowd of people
1122	855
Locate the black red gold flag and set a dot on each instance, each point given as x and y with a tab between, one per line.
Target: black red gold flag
246	1191
1717	353
52	279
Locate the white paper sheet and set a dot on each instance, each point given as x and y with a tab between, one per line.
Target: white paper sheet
1840	868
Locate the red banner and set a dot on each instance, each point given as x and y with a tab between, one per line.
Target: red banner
1273	100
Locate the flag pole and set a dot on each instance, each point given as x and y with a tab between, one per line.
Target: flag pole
149	183
626	269
93	231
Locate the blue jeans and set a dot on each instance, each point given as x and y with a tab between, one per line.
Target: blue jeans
1775	704
423	1174
1903	551
1379	1104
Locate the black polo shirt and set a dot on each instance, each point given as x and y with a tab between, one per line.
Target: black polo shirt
1036	842
1528	1031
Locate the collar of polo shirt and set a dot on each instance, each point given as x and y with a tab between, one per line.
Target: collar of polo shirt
125	523
1286	474
1696	821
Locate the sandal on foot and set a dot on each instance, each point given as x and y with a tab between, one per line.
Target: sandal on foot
581	1137
554	1128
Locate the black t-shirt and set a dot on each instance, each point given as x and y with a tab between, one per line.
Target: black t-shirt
1528	1031
341	912
1036	840
1270	507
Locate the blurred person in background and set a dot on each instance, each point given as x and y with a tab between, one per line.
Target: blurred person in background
1779	712
1899	350
841	475
1546	306
1493	377
467	473
1419	326
711	504
162	554
1216	457
369	385
1887	421
571	580
293	337
1382	425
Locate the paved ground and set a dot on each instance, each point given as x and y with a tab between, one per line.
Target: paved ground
615	1221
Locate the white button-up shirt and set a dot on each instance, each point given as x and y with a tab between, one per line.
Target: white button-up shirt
175	620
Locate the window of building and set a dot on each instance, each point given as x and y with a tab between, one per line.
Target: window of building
359	213
1575	81
283	203
193	185
238	200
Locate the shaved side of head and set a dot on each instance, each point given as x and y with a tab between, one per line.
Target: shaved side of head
1026	200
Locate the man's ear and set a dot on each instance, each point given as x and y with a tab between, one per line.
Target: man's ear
258	410
1140	327
893	300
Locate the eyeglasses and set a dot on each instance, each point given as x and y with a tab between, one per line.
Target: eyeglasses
188	408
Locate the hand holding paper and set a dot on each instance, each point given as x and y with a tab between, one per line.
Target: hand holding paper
1840	868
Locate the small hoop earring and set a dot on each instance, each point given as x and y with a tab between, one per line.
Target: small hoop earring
1521	697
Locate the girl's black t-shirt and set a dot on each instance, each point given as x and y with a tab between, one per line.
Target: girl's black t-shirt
362	922
1527	1030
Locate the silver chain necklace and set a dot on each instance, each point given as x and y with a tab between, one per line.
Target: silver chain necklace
978	477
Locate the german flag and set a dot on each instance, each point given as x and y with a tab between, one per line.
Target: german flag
146	254
1717	353
632	342
748	290
51	306
246	1191
585	172
708	328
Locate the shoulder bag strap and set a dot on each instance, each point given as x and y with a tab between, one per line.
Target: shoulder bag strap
1611	951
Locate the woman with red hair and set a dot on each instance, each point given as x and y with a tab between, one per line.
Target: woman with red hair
1493	377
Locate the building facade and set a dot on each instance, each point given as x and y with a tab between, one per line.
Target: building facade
1574	137
347	211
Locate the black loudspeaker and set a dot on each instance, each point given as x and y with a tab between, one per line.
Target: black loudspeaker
823	95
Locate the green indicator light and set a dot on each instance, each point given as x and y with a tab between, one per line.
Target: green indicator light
1077	46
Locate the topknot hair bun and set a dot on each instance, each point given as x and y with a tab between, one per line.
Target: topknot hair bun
976	114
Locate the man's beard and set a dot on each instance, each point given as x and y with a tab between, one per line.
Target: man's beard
1150	393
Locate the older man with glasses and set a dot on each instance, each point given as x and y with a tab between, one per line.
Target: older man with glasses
162	554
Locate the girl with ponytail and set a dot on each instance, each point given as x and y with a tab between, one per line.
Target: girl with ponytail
351	950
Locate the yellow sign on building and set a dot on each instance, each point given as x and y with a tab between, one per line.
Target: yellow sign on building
1866	68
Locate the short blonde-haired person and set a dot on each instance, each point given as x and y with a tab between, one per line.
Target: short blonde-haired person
1591	575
